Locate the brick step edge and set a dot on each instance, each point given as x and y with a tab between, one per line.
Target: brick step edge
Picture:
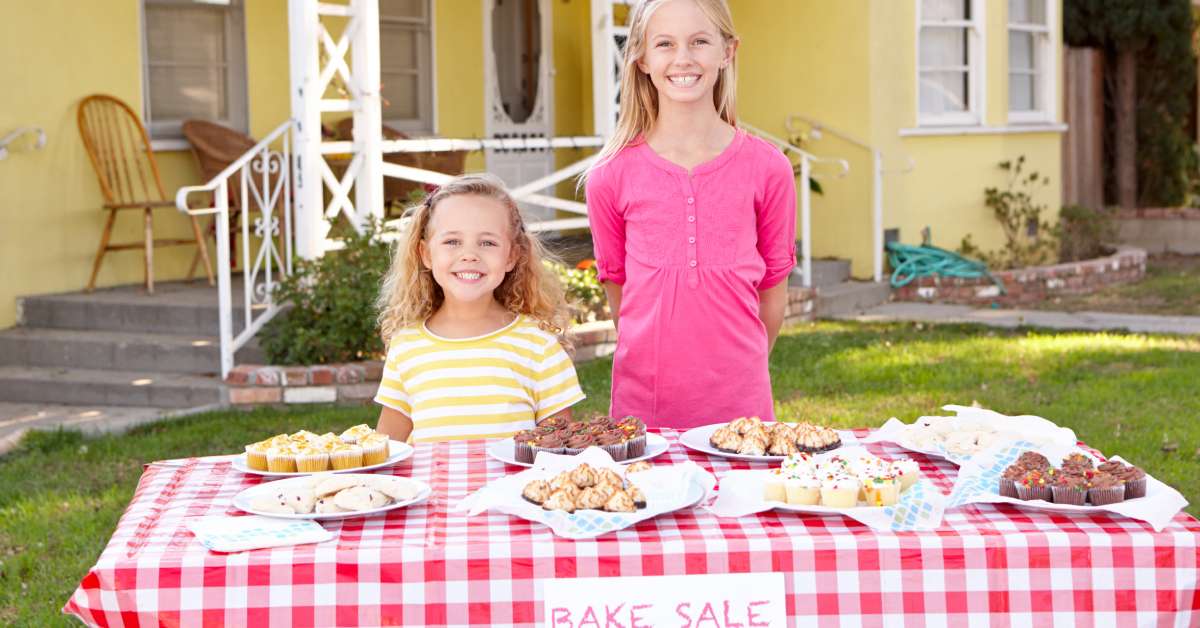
357	382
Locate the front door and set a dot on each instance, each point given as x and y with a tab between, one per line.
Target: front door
519	92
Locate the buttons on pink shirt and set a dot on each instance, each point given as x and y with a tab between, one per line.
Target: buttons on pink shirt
692	263
691	200
691	239
691	219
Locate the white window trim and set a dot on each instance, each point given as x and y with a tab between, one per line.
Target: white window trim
408	126
976	70
1047	60
168	135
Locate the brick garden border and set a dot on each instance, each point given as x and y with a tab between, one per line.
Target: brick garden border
356	382
1029	285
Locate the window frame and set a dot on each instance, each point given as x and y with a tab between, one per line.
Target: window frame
1045	65
169	133
976	68
427	56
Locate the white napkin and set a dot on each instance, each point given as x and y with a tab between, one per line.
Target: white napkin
238	534
1034	429
919	508
667	488
978	482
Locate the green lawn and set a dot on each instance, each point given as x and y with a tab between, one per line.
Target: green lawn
1171	287
61	494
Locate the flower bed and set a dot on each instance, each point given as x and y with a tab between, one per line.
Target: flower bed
1030	285
356	383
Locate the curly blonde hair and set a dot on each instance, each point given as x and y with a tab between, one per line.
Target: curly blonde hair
410	295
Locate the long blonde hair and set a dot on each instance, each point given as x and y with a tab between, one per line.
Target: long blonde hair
639	98
410	295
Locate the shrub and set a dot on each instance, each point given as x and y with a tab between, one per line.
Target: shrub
1084	233
1028	239
330	302
584	292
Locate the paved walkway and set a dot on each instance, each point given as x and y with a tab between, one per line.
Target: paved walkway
18	418
1094	321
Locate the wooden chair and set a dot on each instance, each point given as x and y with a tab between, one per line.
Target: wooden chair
119	149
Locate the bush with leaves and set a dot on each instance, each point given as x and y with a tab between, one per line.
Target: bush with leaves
584	292
330	302
1084	233
1028	239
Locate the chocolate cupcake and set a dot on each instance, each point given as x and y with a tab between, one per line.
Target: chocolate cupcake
555	421
1106	488
1007	485
579	442
1070	488
1033	460
1135	478
613	441
523	443
1077	462
1036	484
635	436
549	442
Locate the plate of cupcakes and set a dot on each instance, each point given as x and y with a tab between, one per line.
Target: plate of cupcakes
750	438
359	448
624	440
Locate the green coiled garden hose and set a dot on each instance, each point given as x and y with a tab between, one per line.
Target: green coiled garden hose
911	262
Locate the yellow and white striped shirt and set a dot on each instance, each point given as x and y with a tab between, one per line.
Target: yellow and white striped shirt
489	386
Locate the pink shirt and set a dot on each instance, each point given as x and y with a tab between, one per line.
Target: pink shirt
692	251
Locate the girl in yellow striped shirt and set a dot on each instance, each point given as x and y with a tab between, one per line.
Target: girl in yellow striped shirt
474	322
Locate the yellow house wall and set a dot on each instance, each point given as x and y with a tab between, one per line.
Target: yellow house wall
50	221
50	218
811	58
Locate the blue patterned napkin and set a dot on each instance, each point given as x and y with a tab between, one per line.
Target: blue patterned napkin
238	534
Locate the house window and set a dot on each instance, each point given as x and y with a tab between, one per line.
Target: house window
1030	61
406	65
950	62
194	56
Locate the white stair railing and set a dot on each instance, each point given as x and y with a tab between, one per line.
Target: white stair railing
264	177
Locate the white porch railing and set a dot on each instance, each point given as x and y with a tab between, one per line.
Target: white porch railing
38	142
877	171
264	178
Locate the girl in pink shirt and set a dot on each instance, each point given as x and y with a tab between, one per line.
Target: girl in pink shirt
694	226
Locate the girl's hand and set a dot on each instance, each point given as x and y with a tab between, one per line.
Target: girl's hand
772	304
613	292
395	424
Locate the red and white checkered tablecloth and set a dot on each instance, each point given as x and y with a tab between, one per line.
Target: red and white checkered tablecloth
426	565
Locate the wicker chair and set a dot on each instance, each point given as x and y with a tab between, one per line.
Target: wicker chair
119	149
215	147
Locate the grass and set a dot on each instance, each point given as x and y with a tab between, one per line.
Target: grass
61	493
1171	287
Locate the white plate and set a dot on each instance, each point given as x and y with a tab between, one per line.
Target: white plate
397	451
697	438
503	451
243	500
1156	491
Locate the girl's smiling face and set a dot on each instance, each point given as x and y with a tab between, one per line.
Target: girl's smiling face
684	52
469	248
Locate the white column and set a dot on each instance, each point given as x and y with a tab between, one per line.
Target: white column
604	77
308	210
368	117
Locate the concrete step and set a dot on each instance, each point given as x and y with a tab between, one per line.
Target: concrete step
850	297
175	308
126	351
70	386
825	272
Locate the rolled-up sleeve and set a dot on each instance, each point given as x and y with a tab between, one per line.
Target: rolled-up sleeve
608	227
777	221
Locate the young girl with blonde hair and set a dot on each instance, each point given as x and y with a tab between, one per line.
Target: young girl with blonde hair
474	322
693	223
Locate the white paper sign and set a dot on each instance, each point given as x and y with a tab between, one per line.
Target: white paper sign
747	600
